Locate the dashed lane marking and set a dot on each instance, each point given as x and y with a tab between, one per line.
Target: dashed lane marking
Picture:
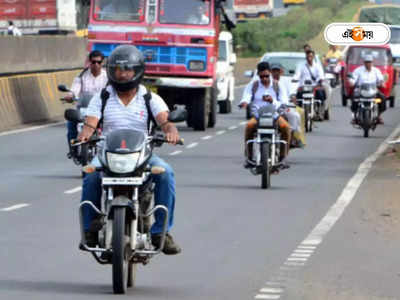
74	190
15	207
207	137
220	132
176	153
192	145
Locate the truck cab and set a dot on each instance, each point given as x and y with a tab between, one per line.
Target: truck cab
225	72
179	40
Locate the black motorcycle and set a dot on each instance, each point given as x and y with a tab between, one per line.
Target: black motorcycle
366	103
124	219
84	153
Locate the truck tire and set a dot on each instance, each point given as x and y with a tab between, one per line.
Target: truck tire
212	118
200	110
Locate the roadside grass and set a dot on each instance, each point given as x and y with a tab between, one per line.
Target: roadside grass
290	32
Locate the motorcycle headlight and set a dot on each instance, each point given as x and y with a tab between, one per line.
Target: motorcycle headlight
307	88
122	163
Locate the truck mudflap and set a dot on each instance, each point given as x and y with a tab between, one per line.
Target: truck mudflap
179	82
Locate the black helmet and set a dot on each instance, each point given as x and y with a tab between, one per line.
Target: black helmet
125	57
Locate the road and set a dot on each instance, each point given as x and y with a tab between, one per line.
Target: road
235	236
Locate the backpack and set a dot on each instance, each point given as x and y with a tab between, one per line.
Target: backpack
151	121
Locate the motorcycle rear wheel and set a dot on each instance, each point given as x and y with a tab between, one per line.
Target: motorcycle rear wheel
265	165
120	252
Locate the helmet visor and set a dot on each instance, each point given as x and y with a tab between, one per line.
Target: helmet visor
122	72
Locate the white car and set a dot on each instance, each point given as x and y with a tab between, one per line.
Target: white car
225	75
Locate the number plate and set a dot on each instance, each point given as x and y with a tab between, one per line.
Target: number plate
122	181
308	95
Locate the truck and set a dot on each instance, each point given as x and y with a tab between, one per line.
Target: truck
40	16
287	3
253	9
179	41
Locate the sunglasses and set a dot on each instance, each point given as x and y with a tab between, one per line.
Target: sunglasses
263	76
96	62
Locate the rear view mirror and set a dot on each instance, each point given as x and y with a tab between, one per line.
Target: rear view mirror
63	88
291	72
177	115
249	73
72	115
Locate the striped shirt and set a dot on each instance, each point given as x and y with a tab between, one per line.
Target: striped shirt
117	115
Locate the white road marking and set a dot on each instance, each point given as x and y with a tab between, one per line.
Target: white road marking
192	145
15	207
232	127
176	152
207	137
74	190
220	132
30	129
271	290
271	297
317	235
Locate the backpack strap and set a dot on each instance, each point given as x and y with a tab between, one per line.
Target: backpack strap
254	89
151	121
104	95
80	76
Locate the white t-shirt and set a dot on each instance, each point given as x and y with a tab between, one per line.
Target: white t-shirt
88	84
261	91
303	73
133	116
361	75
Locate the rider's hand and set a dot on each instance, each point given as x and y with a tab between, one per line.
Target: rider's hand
68	98
267	99
172	137
243	105
85	135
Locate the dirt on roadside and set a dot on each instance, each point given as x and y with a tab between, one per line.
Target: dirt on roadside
242	65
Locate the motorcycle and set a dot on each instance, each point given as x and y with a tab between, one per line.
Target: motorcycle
266	152
84	153
309	104
332	71
124	219
366	115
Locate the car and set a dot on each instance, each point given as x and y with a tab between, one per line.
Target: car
225	72
382	60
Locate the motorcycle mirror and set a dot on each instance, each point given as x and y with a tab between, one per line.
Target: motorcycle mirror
291	72
72	115
63	88
295	80
177	115
249	73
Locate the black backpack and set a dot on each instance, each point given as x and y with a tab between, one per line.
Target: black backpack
151	121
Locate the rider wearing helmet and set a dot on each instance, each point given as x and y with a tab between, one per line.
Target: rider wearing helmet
126	109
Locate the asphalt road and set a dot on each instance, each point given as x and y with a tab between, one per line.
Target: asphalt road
234	235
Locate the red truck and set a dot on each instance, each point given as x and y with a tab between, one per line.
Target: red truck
247	9
39	16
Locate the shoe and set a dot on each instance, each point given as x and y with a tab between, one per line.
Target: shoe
91	239
170	247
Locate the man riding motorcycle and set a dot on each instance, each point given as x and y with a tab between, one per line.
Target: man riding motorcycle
368	74
89	82
260	93
336	54
292	115
125	108
311	71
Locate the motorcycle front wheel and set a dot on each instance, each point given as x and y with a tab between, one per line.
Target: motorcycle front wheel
265	166
120	253
367	122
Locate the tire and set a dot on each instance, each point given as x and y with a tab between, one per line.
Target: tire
344	98
225	107
212	118
84	154
366	122
248	112
266	171
327	114
200	112
391	101
119	256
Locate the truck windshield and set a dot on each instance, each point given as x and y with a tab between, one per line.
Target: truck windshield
191	12
380	55
119	10
395	36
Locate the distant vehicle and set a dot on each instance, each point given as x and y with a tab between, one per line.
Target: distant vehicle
394	44
39	16
286	3
382	60
225	77
253	9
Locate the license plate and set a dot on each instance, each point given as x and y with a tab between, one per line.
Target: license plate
308	95
122	181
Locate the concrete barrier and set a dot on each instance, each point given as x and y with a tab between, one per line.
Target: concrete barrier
41	53
32	98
